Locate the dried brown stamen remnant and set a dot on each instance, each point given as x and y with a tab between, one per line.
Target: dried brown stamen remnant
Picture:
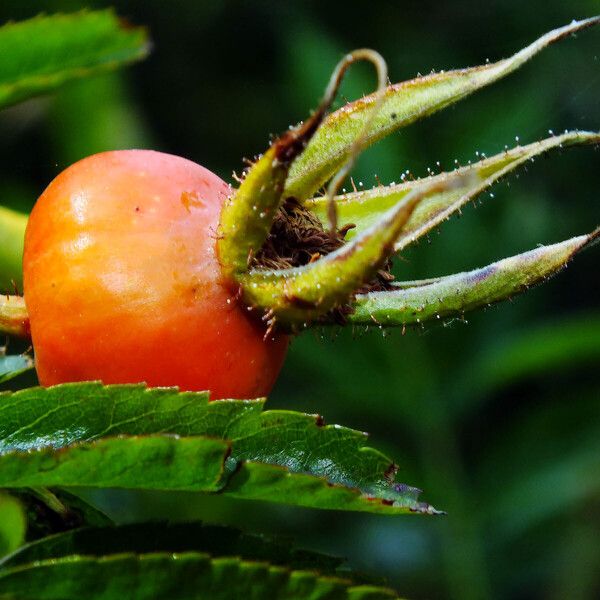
297	238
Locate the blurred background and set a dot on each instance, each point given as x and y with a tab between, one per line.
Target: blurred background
497	419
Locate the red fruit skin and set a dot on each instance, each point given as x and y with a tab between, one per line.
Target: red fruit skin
122	282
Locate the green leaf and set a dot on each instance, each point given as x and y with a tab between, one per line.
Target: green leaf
38	55
65	436
11	366
145	538
13	524
257	481
185	575
151	462
12	234
365	208
406	103
453	295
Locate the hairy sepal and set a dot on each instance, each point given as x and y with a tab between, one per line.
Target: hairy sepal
404	104
247	216
295	297
364	208
452	296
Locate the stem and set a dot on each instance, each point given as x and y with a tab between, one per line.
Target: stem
14	319
12	234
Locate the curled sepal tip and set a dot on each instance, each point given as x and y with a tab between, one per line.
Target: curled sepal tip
293	297
452	296
247	216
405	103
14	319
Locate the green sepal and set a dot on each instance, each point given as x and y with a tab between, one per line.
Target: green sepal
247	215
405	103
294	297
364	208
452	296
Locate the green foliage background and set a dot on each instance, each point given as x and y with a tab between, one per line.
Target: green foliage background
497	420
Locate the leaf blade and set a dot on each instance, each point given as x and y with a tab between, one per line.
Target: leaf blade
145	538
40	54
406	103
185	575
280	456
150	462
258	481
